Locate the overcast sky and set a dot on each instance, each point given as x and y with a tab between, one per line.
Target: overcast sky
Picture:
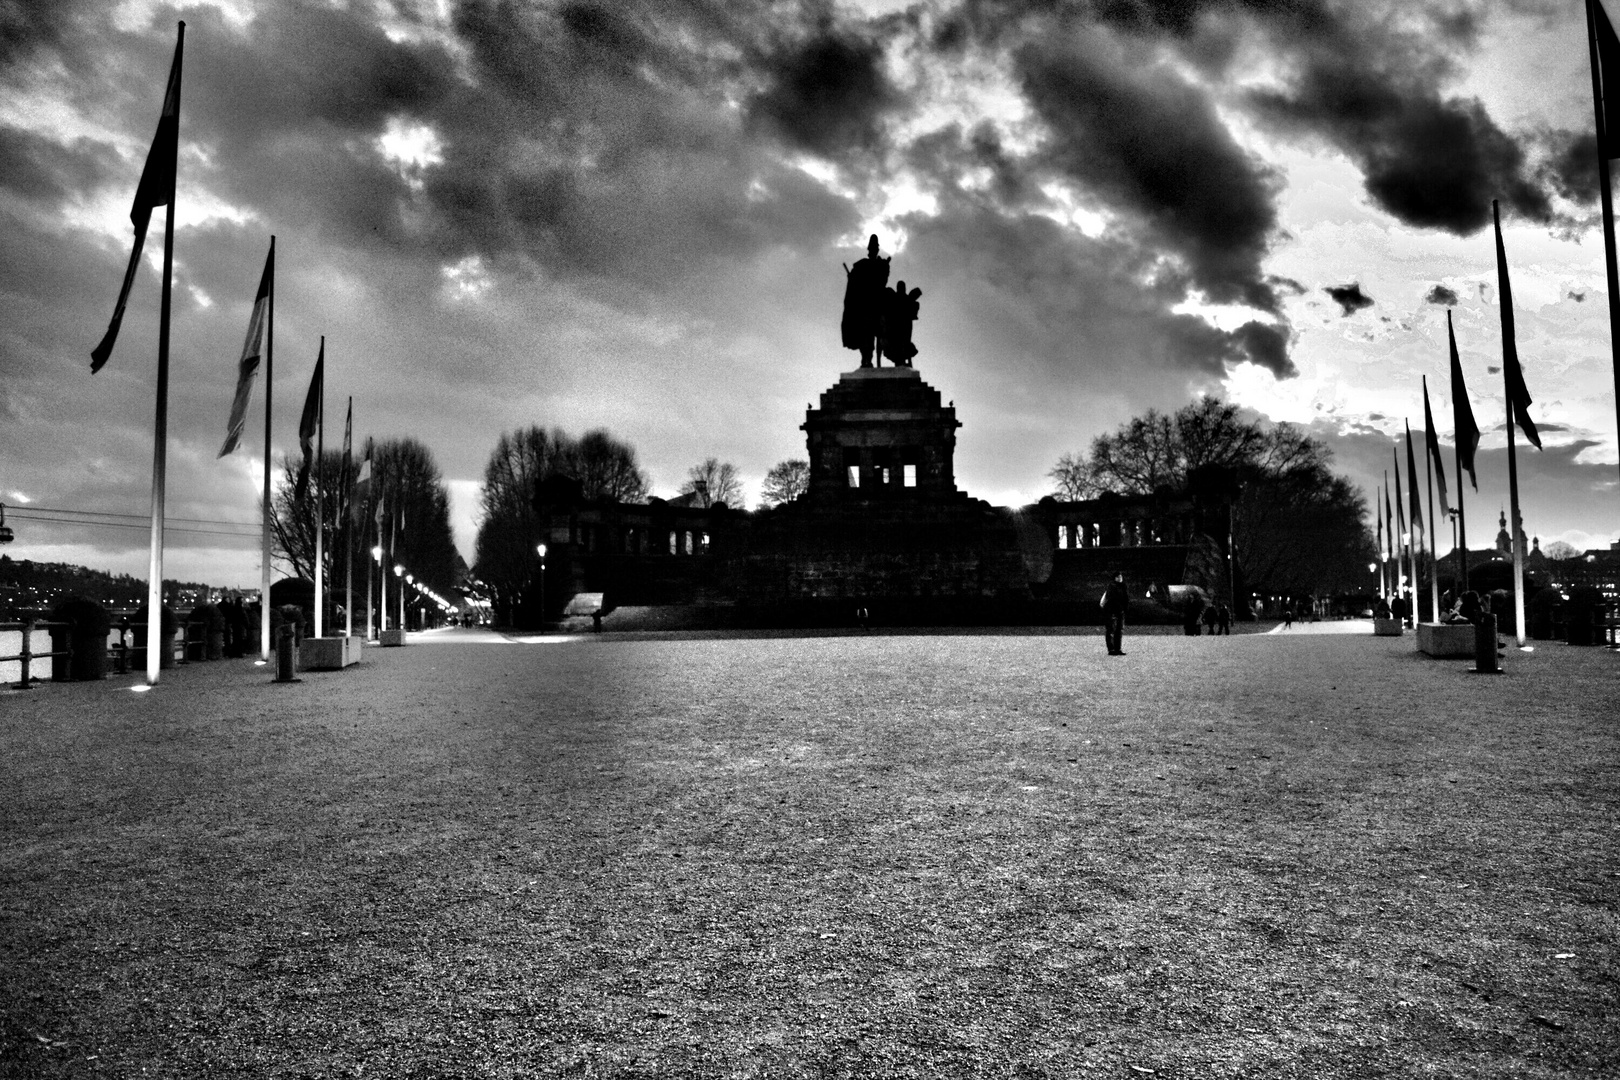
633	215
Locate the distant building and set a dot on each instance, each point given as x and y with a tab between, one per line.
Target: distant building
881	526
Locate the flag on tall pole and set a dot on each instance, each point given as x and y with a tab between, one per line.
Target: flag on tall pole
155	188
1518	394
1518	406
1400	522
1436	468
1418	530
1431	438
269	383
1379	547
313	424
1604	47
1465	434
1389	540
347	518
252	351
310	421
362	488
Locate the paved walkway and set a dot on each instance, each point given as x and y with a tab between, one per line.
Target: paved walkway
1328	626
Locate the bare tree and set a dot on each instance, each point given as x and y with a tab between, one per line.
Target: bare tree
506	560
1072	479
714	482
786	481
1296	527
1559	550
405	482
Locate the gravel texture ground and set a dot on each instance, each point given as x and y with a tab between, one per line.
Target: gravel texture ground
988	854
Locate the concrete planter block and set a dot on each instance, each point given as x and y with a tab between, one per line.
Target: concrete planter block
1446	639
1387	628
329	653
390	638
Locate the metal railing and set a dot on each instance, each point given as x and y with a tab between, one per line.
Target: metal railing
28	655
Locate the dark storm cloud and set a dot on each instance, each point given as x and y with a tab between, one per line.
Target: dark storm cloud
1429	160
615	141
1571	166
1442	296
1151	145
1349	297
29	26
828	94
46	172
1065	303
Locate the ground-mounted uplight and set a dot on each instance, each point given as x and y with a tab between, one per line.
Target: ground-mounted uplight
141	689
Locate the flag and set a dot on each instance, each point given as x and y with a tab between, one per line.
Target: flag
362	486
248	366
348	453
156	188
1464	430
1417	499
1608	54
1400	506
312	414
1389	517
1434	449
1518	394
1380	519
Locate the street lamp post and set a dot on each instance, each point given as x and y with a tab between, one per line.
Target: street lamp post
399	572
541	550
371	581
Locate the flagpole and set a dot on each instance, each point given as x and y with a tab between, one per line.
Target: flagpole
348	523
398	515
1607	200
1462	532
371	582
1379	546
1402	549
320	510
1389	540
1516	531
269	372
1414	522
1510	367
155	642
1432	529
382	577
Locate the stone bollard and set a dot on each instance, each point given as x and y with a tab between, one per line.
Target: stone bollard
286	653
1485	647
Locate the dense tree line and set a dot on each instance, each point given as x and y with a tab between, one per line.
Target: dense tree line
1297	527
414	531
506	560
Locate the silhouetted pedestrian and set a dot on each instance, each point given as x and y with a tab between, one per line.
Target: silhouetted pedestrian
1223	619
1114	602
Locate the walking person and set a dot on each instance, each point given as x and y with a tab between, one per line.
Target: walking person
1114	602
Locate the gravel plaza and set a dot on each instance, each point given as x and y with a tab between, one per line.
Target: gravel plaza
997	854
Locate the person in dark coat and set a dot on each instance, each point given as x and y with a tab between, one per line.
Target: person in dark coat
1223	619
1114	602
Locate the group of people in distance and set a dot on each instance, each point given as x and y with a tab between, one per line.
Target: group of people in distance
1470	607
